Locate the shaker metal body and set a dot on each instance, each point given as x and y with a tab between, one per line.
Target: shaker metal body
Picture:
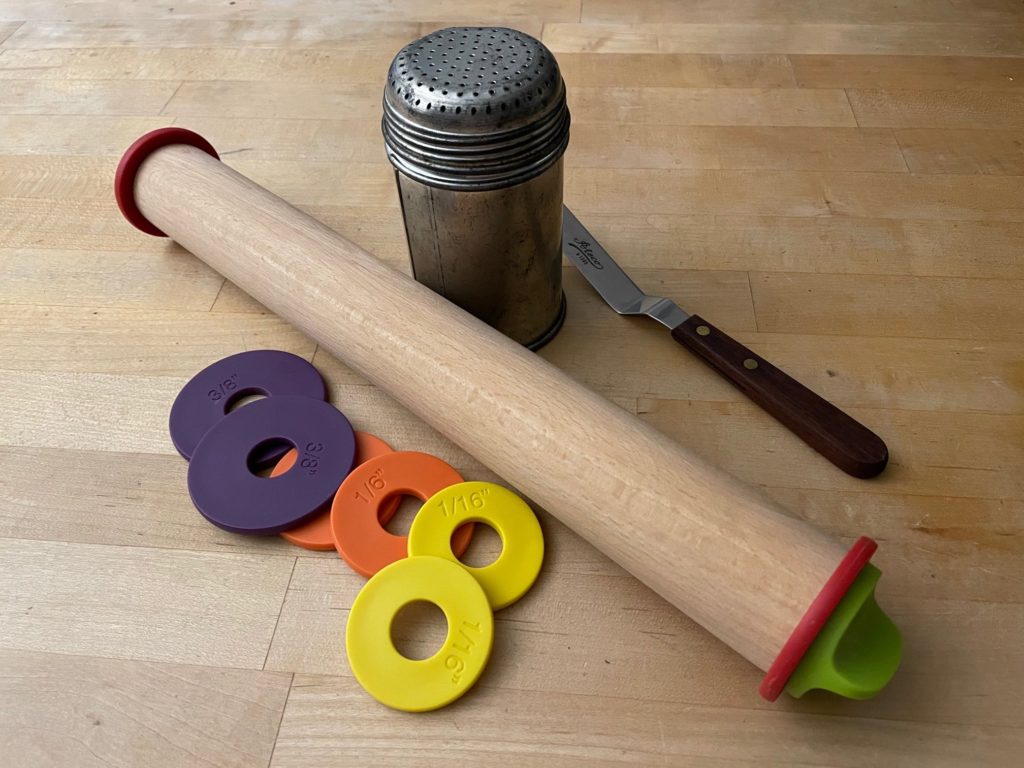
476	123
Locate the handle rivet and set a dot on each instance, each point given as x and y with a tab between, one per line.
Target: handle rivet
703	330
750	363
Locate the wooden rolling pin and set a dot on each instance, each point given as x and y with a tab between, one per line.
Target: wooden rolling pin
719	550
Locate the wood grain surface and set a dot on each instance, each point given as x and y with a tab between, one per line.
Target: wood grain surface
837	185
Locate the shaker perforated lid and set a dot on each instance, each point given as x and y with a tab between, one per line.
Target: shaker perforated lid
475	108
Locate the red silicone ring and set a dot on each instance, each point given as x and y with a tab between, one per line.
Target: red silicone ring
124	179
814	619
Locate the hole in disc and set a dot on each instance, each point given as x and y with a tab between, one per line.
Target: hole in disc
484	547
264	456
419	630
401	522
242	398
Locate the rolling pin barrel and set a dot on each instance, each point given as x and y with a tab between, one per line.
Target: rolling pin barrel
717	549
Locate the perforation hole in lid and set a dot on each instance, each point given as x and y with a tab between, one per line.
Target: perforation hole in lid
474	108
484	71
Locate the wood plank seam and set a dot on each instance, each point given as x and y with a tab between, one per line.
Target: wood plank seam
903	151
175	93
753	301
846	92
9	35
162	547
284	597
219	291
750	293
280	720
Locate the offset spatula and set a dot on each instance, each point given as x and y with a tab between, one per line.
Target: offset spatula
847	443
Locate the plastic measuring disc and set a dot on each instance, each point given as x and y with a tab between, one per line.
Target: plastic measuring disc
230	496
358	534
316	534
208	396
419	685
510	576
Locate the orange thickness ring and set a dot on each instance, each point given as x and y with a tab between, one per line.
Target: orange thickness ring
316	534
355	523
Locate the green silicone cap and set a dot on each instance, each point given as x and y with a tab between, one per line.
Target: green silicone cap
857	651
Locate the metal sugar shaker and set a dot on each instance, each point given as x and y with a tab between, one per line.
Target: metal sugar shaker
475	124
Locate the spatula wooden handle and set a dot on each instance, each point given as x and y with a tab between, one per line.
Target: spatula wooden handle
838	437
718	549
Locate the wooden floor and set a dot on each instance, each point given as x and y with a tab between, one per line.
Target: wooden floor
839	184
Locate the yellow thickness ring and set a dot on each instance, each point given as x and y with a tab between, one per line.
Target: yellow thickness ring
510	576
419	685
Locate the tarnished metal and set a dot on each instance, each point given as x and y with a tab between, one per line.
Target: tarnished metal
476	123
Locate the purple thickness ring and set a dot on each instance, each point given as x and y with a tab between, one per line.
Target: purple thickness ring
208	395
230	496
